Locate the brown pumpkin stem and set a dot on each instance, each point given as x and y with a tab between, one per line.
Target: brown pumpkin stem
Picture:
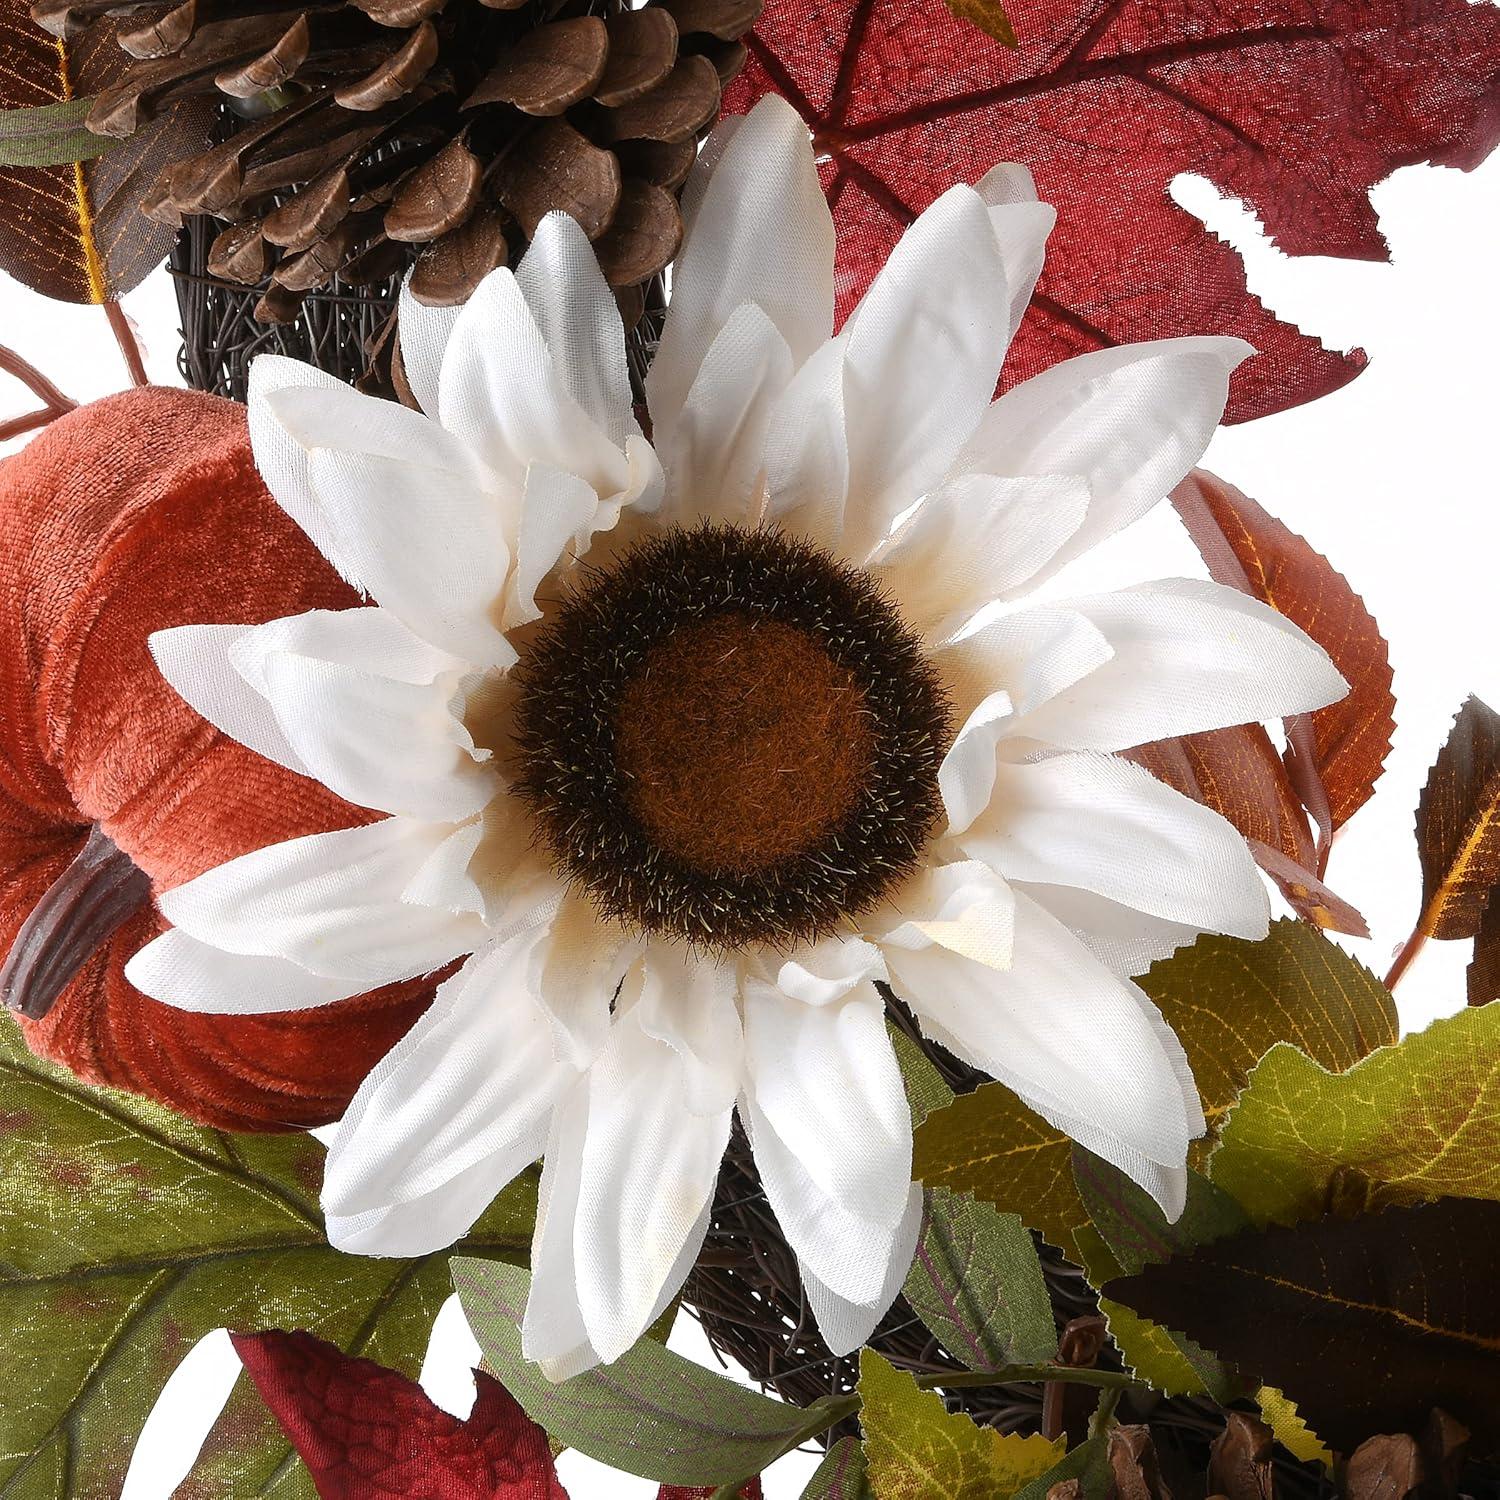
98	892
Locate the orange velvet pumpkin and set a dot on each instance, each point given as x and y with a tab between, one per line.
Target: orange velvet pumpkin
138	512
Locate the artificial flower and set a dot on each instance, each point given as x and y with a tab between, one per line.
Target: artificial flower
691	743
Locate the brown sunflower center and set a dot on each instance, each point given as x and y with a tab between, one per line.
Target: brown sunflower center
730	737
740	741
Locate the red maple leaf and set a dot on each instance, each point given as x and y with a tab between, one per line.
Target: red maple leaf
1297	107
369	1433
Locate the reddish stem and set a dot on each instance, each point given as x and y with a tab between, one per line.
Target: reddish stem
1409	950
32	420
130	346
27	373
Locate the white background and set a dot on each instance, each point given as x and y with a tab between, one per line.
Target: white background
1393	478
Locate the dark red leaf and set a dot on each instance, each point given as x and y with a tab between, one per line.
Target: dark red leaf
1366	1323
1295	106
368	1433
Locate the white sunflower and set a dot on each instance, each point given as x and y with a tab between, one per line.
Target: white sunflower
690	746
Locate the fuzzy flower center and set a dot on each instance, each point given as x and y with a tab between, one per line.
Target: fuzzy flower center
730	737
740	742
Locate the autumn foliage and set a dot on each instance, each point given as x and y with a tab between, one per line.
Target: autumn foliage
1296	107
132	514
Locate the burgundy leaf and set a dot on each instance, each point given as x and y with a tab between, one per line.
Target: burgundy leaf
369	1433
1297	107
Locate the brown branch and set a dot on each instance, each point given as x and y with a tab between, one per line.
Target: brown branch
130	346
1413	946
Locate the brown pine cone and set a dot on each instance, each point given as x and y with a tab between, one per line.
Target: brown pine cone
368	135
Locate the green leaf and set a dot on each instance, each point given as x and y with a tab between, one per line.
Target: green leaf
925	1089
126	1234
1414	1121
1129	1231
917	1450
976	1282
1088	1463
991	1145
49	135
1291	1431
841	1475
1137	1232
1229	1001
650	1413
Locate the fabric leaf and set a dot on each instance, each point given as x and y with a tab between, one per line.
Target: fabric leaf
126	1234
1458	825
367	1432
1132	1232
1248	549
991	1145
1297	111
48	135
976	1282
1416	1120
1291	1431
651	1412
1366	1323
1087	1463
1483	976
1229	1001
988	16
842	1475
74	230
917	1450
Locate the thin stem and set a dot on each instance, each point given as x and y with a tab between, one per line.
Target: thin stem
1409	950
27	373
1104	1412
28	423
130	346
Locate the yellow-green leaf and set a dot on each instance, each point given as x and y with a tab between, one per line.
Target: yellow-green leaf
1229	1001
916	1450
1412	1122
988	15
1291	1431
991	1145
